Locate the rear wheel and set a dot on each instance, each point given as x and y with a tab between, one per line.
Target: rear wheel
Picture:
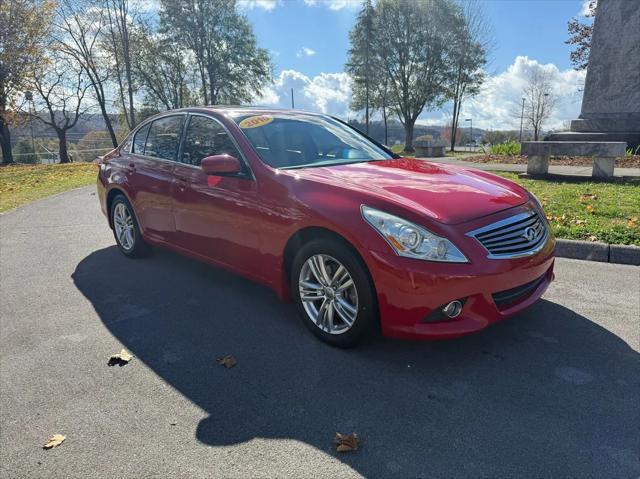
333	292
126	230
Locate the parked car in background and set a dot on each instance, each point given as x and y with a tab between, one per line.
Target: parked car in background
356	236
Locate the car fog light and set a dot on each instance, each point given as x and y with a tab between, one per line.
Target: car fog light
453	309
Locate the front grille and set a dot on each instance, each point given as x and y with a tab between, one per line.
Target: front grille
513	295
520	235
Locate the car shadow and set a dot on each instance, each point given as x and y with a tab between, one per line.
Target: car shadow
546	393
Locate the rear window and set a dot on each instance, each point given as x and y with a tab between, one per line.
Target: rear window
164	138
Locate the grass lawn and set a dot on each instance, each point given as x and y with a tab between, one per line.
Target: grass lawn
593	211
21	184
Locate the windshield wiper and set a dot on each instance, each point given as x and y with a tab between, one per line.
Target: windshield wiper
326	163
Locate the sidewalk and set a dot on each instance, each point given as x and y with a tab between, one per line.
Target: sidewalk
521	168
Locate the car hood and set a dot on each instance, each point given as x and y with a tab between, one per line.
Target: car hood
446	193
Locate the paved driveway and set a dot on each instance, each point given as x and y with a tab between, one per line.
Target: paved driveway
553	392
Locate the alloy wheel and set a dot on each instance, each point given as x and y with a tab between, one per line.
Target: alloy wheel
328	294
124	227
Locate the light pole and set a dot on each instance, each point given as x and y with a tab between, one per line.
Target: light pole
292	104
521	121
470	120
29	97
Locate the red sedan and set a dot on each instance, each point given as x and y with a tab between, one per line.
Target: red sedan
356	236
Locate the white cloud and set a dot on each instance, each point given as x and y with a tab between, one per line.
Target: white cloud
585	10
263	4
305	51
496	107
325	93
335	4
499	102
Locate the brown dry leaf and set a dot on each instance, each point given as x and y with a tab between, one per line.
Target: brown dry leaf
346	442
590	208
592	238
588	196
122	358
54	441
580	222
632	222
227	361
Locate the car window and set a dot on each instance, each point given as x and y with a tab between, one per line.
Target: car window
140	139
295	141
126	144
206	137
164	138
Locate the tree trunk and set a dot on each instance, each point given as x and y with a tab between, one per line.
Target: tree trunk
62	146
5	139
454	126
386	130
105	115
408	135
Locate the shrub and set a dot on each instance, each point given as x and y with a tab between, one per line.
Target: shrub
507	148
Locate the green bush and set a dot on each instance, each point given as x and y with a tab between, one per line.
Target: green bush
507	148
631	152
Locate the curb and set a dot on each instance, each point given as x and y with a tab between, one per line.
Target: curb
593	251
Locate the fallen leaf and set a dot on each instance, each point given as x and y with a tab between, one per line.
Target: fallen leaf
580	222
592	238
590	208
346	442
588	196
632	222
122	358
227	361
54	441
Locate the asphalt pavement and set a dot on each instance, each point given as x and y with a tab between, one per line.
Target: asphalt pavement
554	392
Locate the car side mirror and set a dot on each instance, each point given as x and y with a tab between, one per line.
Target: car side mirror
217	165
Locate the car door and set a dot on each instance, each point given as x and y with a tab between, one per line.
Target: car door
155	150
215	216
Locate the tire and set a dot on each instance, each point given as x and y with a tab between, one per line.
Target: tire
128	237
337	294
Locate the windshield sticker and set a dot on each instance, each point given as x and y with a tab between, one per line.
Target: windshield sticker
255	121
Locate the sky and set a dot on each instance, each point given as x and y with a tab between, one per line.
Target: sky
309	39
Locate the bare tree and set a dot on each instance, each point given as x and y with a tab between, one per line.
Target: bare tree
539	101
119	44
79	30
61	91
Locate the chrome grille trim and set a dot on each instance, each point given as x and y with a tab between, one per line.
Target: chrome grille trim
505	238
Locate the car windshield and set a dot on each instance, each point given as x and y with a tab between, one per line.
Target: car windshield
297	141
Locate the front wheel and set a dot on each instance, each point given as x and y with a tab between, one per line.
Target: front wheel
126	230
333	292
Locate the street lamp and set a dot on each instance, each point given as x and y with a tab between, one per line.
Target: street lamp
470	120
29	97
521	120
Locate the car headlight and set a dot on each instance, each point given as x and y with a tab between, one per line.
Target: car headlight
410	240
538	203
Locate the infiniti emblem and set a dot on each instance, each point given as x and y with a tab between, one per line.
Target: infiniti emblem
529	233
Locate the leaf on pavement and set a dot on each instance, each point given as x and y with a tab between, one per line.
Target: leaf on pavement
346	442
120	359
54	441
227	361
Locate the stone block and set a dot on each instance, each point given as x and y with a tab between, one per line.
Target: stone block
538	164
603	167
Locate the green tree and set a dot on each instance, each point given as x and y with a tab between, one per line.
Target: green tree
414	46
24	26
360	64
163	70
232	68
580	35
23	152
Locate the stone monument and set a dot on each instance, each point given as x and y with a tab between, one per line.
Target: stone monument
611	98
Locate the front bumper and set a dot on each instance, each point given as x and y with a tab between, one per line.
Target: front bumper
411	292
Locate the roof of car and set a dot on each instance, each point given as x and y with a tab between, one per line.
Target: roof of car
248	109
